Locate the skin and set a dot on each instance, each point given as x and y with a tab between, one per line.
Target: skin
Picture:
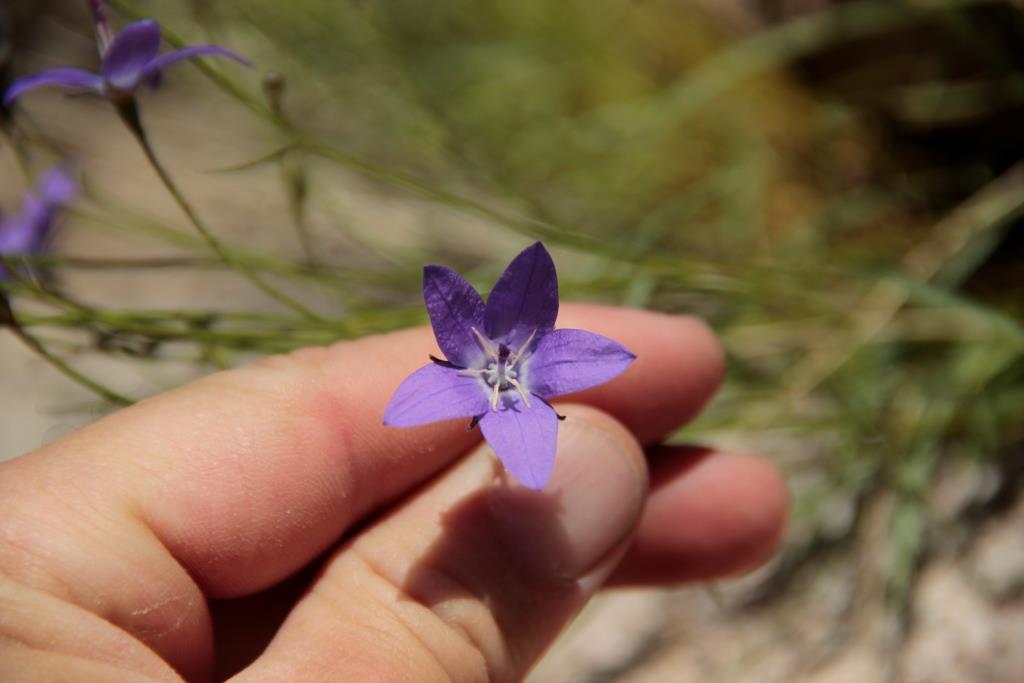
176	538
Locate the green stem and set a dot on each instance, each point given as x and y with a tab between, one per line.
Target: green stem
293	174
8	320
129	113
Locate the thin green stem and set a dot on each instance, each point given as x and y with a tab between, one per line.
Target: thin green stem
8	320
130	115
293	175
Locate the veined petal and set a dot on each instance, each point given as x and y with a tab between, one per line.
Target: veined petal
524	439
454	308
155	66
62	77
434	393
569	360
129	54
525	298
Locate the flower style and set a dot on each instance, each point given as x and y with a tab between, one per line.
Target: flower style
130	59
504	362
27	232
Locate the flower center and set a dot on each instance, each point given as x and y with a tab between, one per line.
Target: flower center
502	371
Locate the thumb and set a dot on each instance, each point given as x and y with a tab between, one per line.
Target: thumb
474	576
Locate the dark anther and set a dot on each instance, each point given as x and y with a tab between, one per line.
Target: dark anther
548	404
444	363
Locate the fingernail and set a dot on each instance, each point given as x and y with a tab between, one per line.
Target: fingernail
578	523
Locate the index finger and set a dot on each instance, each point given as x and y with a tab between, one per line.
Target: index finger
247	475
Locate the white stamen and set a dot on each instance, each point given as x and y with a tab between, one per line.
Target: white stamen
485	344
522	349
519	387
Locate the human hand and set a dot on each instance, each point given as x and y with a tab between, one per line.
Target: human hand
173	538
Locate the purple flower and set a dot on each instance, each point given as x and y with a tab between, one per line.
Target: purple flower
27	232
130	60
504	362
104	34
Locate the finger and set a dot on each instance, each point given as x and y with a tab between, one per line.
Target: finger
709	514
474	577
678	368
290	452
236	481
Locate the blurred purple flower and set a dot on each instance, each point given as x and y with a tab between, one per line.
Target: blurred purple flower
130	60
28	231
504	362
104	34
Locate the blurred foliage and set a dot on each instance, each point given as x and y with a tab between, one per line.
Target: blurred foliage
823	209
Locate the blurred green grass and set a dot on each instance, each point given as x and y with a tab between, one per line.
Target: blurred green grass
683	168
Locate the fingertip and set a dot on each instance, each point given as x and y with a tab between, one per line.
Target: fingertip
710	514
757	528
702	336
693	345
679	366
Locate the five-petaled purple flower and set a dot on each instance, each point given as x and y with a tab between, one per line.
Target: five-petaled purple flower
26	233
130	60
504	362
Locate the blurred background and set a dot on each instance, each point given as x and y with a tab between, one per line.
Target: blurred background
836	186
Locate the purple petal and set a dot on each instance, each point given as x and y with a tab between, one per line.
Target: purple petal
454	308
27	232
525	298
524	439
12	236
572	360
434	393
131	52
157	65
57	187
63	77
